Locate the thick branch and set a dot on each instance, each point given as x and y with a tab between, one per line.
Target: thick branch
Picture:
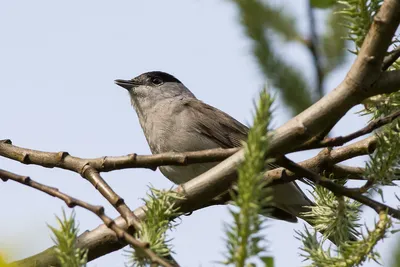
98	210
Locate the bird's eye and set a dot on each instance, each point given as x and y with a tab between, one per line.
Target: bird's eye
156	81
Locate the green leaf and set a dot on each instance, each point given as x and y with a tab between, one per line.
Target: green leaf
244	241
160	210
65	240
351	253
322	3
289	81
333	42
268	261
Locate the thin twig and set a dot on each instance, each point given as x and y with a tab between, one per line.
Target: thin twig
111	163
373	125
72	202
391	58
337	189
348	172
327	160
65	161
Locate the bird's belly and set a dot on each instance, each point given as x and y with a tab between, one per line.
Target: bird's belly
182	174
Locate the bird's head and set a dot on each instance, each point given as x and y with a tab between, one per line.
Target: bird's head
151	87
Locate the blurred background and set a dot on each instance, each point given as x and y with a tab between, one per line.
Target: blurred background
58	61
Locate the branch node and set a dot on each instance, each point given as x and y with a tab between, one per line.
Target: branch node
61	155
379	20
103	161
370	59
120	201
26	179
99	210
25	158
183	160
84	168
132	157
146	245
70	203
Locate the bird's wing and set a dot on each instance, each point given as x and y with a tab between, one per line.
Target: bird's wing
227	133
215	124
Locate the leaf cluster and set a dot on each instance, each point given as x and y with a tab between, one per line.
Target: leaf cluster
244	235
265	25
358	15
65	240
160	210
337	217
352	253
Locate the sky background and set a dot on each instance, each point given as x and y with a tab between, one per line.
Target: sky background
58	61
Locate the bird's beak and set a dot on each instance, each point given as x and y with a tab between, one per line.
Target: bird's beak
127	84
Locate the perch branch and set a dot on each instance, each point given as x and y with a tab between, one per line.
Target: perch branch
98	210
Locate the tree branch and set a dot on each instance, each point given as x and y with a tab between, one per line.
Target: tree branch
337	189
375	124
98	210
326	160
391	58
64	161
359	84
110	163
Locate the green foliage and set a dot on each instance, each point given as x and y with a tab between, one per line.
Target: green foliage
65	240
358	15
336	217
332	41
383	166
352	253
160	210
244	237
257	18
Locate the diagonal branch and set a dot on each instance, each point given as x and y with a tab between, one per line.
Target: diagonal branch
326	160
98	210
391	58
337	189
373	125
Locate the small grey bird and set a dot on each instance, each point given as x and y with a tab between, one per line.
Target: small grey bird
174	120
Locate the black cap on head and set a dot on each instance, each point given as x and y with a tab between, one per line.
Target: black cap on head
152	78
148	76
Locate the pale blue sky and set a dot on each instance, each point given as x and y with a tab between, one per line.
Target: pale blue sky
58	63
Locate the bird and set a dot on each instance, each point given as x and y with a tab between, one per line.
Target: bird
174	120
